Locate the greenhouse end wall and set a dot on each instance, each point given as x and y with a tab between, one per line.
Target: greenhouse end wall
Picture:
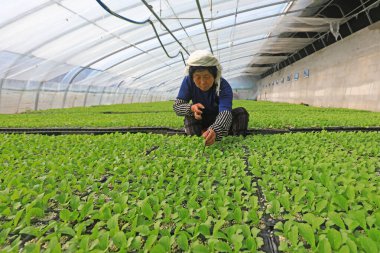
18	97
344	74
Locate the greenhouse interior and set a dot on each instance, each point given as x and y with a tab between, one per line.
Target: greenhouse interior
190	126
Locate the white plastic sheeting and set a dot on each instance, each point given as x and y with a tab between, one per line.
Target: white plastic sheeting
61	52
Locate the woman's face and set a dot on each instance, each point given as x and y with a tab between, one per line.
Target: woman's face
203	79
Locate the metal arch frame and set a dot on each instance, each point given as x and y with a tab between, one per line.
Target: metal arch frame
29	12
367	13
183	28
162	23
121	49
36	101
245	42
263	6
150	38
60	35
278	64
204	25
321	37
232	59
105	7
132	21
67	32
86	96
343	15
116	90
102	94
257	19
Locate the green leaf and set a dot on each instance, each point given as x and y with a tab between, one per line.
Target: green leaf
221	246
136	242
374	234
17	217
182	242
204	229
253	216
293	235
313	220
143	194
149	242
368	245
359	216
64	214
103	240
237	241
6	212
32	248
165	242
371	220
341	201
200	249
147	210
223	212
119	239
143	230
299	195
350	192
74	202
33	212
80	228
84	243
158	248
344	249
67	231
106	213
307	233
203	214
30	231
54	246
335	238
217	226
251	244
352	245
324	246
351	223
275	206
4	235
183	213
86	210
285	201
61	198
230	231
336	218
321	205
245	230
113	224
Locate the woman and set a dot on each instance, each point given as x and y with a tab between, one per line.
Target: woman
210	115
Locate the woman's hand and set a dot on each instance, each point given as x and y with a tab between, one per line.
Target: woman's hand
209	136
197	110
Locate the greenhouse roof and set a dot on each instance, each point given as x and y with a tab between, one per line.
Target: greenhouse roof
113	43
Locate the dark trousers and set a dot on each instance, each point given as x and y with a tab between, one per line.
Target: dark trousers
239	126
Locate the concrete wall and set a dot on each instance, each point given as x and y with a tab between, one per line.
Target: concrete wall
344	74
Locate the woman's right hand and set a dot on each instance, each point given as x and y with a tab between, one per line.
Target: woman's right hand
197	110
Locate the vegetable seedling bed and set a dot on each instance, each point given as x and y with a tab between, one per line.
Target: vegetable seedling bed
172	131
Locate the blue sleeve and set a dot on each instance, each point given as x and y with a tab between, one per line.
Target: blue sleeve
225	96
185	90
